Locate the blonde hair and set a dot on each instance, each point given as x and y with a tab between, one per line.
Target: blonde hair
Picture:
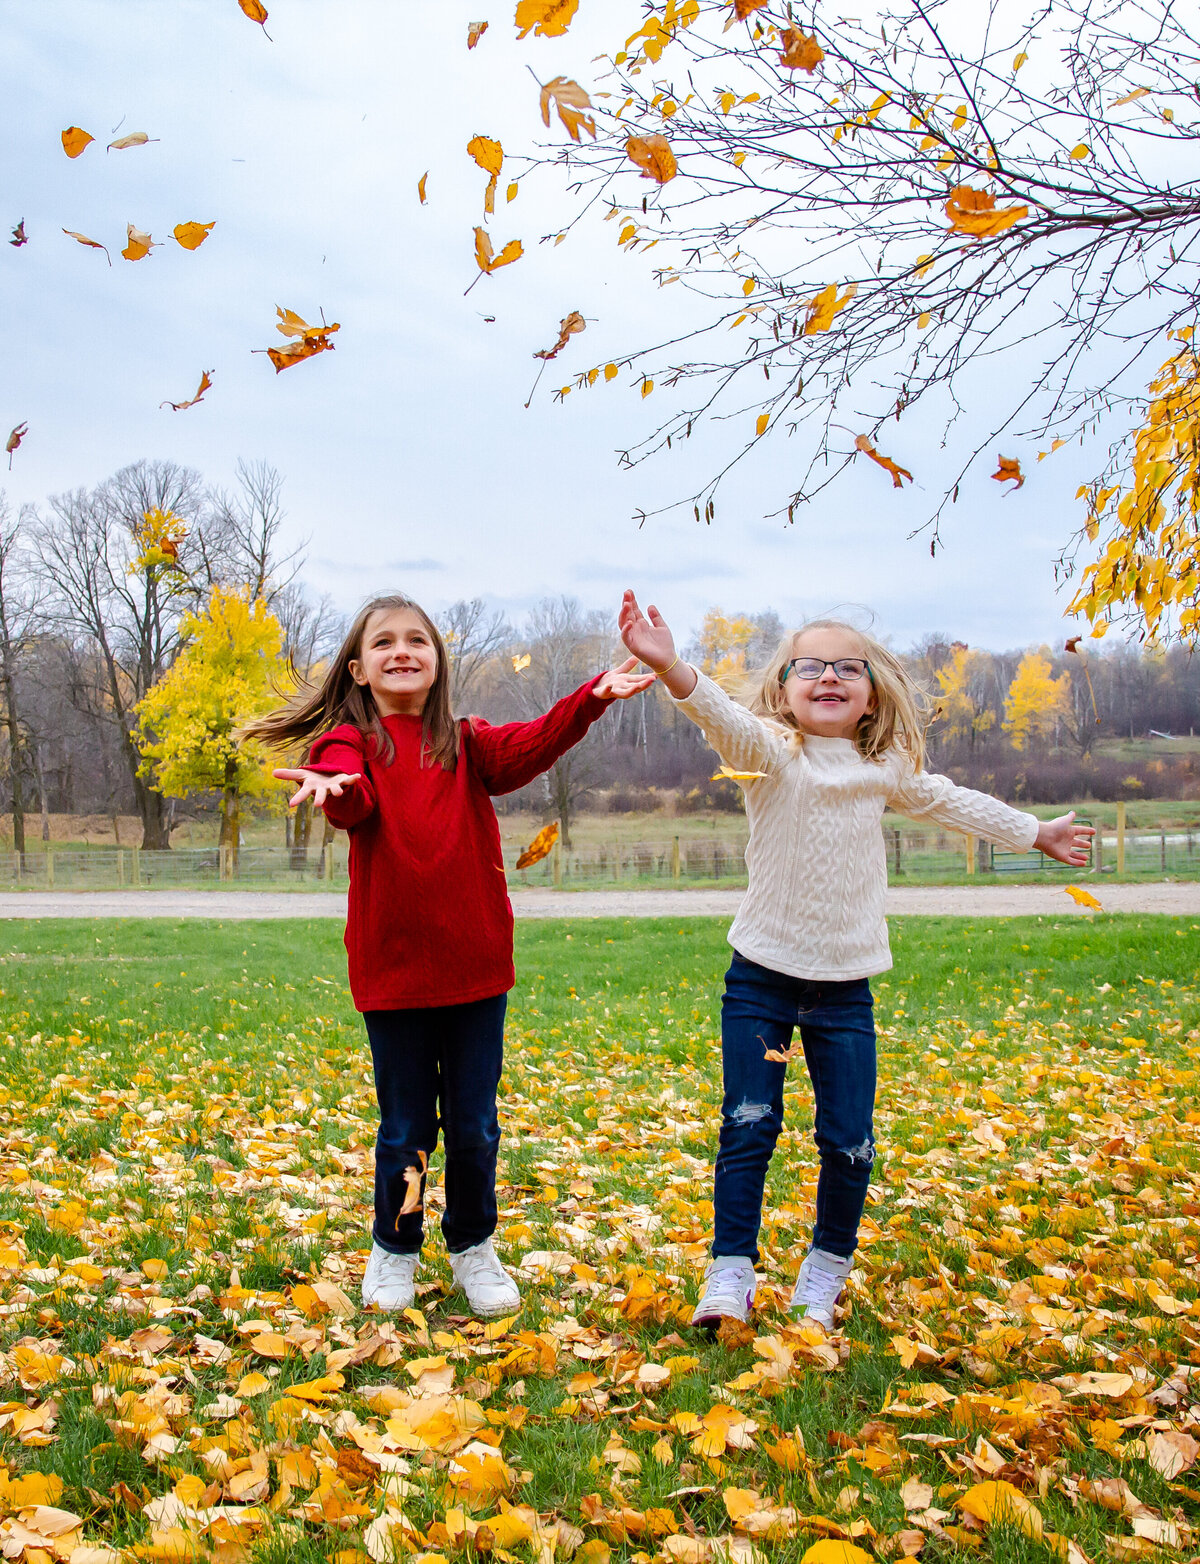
902	708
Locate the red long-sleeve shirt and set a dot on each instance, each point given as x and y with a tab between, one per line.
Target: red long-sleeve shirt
429	921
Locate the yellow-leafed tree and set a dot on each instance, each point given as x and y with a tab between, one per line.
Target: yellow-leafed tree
187	723
1036	701
965	710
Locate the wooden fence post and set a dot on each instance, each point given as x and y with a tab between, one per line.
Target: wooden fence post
329	863
556	865
970	854
137	865
50	867
676	865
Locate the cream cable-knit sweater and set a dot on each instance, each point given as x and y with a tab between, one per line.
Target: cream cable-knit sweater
816	858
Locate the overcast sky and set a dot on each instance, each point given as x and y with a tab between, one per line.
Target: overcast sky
409	459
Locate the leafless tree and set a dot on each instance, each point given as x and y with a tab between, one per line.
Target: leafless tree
473	635
242	539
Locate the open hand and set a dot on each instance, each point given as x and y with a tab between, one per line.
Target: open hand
315	785
618	684
1064	840
647	636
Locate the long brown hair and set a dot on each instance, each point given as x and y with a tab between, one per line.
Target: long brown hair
339	699
902	707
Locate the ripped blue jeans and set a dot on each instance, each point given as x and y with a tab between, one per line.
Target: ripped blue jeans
760	1010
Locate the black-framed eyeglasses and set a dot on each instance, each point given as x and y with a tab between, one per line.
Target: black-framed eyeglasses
848	668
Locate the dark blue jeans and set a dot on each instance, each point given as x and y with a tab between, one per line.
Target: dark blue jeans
759	1012
434	1067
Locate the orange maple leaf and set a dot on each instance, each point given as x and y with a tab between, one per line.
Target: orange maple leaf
545	18
823	306
205	382
653	156
540	846
75	140
412	1186
192	235
569	100
743	8
486	258
898	473
257	12
800	52
1009	468
475	31
567	328
309	340
138	244
975	213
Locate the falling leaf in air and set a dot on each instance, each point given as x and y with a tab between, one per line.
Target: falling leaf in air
192	235
136	138
761	424
540	846
1080	153
205	382
521	661
487	260
823	306
14	439
138	244
257	12
412	1186
421	186
743	8
92	244
784	1055
567	328
489	156
309	340
1083	898
1131	97
1073	646
569	100
545	18
1008	469
475	31
735	776
653	156
975	213
75	140
800	53
898	473
19	236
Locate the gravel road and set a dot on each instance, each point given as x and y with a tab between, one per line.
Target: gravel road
1179	898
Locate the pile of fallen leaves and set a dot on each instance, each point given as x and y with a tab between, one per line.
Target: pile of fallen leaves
187	1374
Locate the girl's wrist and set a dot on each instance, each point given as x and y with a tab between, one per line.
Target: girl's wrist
661	671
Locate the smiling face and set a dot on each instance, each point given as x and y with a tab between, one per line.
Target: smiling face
397	660
827	706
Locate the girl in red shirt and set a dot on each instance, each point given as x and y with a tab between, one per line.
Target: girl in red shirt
430	927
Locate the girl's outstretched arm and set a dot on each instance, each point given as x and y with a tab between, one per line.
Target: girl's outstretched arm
336	770
649	638
511	755
923	795
315	784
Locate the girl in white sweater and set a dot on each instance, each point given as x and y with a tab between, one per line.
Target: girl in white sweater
832	738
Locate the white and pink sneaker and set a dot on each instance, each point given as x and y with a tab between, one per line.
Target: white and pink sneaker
729	1288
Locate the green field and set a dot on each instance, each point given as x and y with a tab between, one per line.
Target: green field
186	1119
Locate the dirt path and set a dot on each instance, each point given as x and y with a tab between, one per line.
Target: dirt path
1180	898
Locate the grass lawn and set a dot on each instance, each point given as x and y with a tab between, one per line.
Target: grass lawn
186	1123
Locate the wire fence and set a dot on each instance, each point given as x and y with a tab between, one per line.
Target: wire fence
914	855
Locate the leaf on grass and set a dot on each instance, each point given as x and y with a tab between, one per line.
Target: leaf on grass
898	473
823	306
421	186
1009	468
521	661
412	1186
489	156
569	100
486	258
540	846
308	340
14	440
138	244
1171	1452
1001	1503
205	382
653	156
545	18
92	244
192	235
1082	898
136	138
735	776
830	1551
975	213
800	52
19	236
567	328
475	31
75	140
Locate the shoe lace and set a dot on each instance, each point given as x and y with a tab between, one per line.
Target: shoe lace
481	1265
397	1267
728	1285
818	1282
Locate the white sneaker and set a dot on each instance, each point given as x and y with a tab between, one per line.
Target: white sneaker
489	1288
729	1288
820	1284
388	1280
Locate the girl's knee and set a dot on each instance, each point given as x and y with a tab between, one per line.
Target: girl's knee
748	1114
